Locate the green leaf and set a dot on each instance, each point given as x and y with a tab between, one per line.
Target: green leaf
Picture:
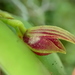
15	57
53	63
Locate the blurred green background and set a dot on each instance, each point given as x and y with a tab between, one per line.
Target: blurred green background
47	12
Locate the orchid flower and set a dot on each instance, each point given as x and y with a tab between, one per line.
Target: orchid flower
44	40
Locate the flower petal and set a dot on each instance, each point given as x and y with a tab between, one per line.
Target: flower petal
53	31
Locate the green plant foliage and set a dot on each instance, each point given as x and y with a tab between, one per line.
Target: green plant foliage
15	57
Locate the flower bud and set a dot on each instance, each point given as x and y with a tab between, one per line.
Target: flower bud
44	40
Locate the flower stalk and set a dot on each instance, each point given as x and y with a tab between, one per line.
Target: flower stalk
17	24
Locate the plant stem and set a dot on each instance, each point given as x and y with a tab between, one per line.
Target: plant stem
16	24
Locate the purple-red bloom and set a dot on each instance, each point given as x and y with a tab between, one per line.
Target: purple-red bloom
43	40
